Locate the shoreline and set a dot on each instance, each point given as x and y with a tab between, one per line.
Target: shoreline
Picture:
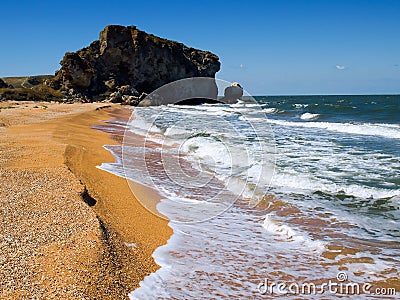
296	229
109	251
87	236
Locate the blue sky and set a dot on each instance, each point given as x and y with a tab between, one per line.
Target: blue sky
271	47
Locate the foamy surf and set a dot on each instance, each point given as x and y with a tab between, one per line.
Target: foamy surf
307	184
270	110
309	116
384	130
287	234
337	182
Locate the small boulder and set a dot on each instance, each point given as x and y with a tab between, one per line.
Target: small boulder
130	100
125	94
233	93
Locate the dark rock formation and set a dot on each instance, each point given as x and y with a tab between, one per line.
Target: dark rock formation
126	95
3	84
232	93
31	81
126	56
192	91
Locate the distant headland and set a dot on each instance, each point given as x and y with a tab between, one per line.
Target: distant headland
123	66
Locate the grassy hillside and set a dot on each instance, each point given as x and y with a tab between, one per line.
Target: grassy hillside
29	88
26	81
37	93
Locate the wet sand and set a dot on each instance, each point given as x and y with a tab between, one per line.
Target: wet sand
69	230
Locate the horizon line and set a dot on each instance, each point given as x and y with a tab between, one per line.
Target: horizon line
285	95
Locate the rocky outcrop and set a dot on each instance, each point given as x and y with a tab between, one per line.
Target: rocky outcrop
232	93
4	84
126	56
126	95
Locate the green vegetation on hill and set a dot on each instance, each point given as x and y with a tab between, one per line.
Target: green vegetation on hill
30	88
37	93
26	81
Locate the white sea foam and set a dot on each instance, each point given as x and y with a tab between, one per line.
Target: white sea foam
287	234
270	110
385	130
303	183
198	258
309	116
297	105
140	125
212	152
176	132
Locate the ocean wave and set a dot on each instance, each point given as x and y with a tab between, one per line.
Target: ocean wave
385	130
309	116
141	125
298	105
270	110
287	234
303	183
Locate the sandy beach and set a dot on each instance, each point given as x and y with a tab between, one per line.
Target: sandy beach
53	244
146	153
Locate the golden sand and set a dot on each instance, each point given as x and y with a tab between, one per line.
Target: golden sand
52	244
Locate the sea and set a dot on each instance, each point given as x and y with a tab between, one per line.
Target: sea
268	196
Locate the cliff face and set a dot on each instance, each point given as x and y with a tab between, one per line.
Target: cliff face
126	56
